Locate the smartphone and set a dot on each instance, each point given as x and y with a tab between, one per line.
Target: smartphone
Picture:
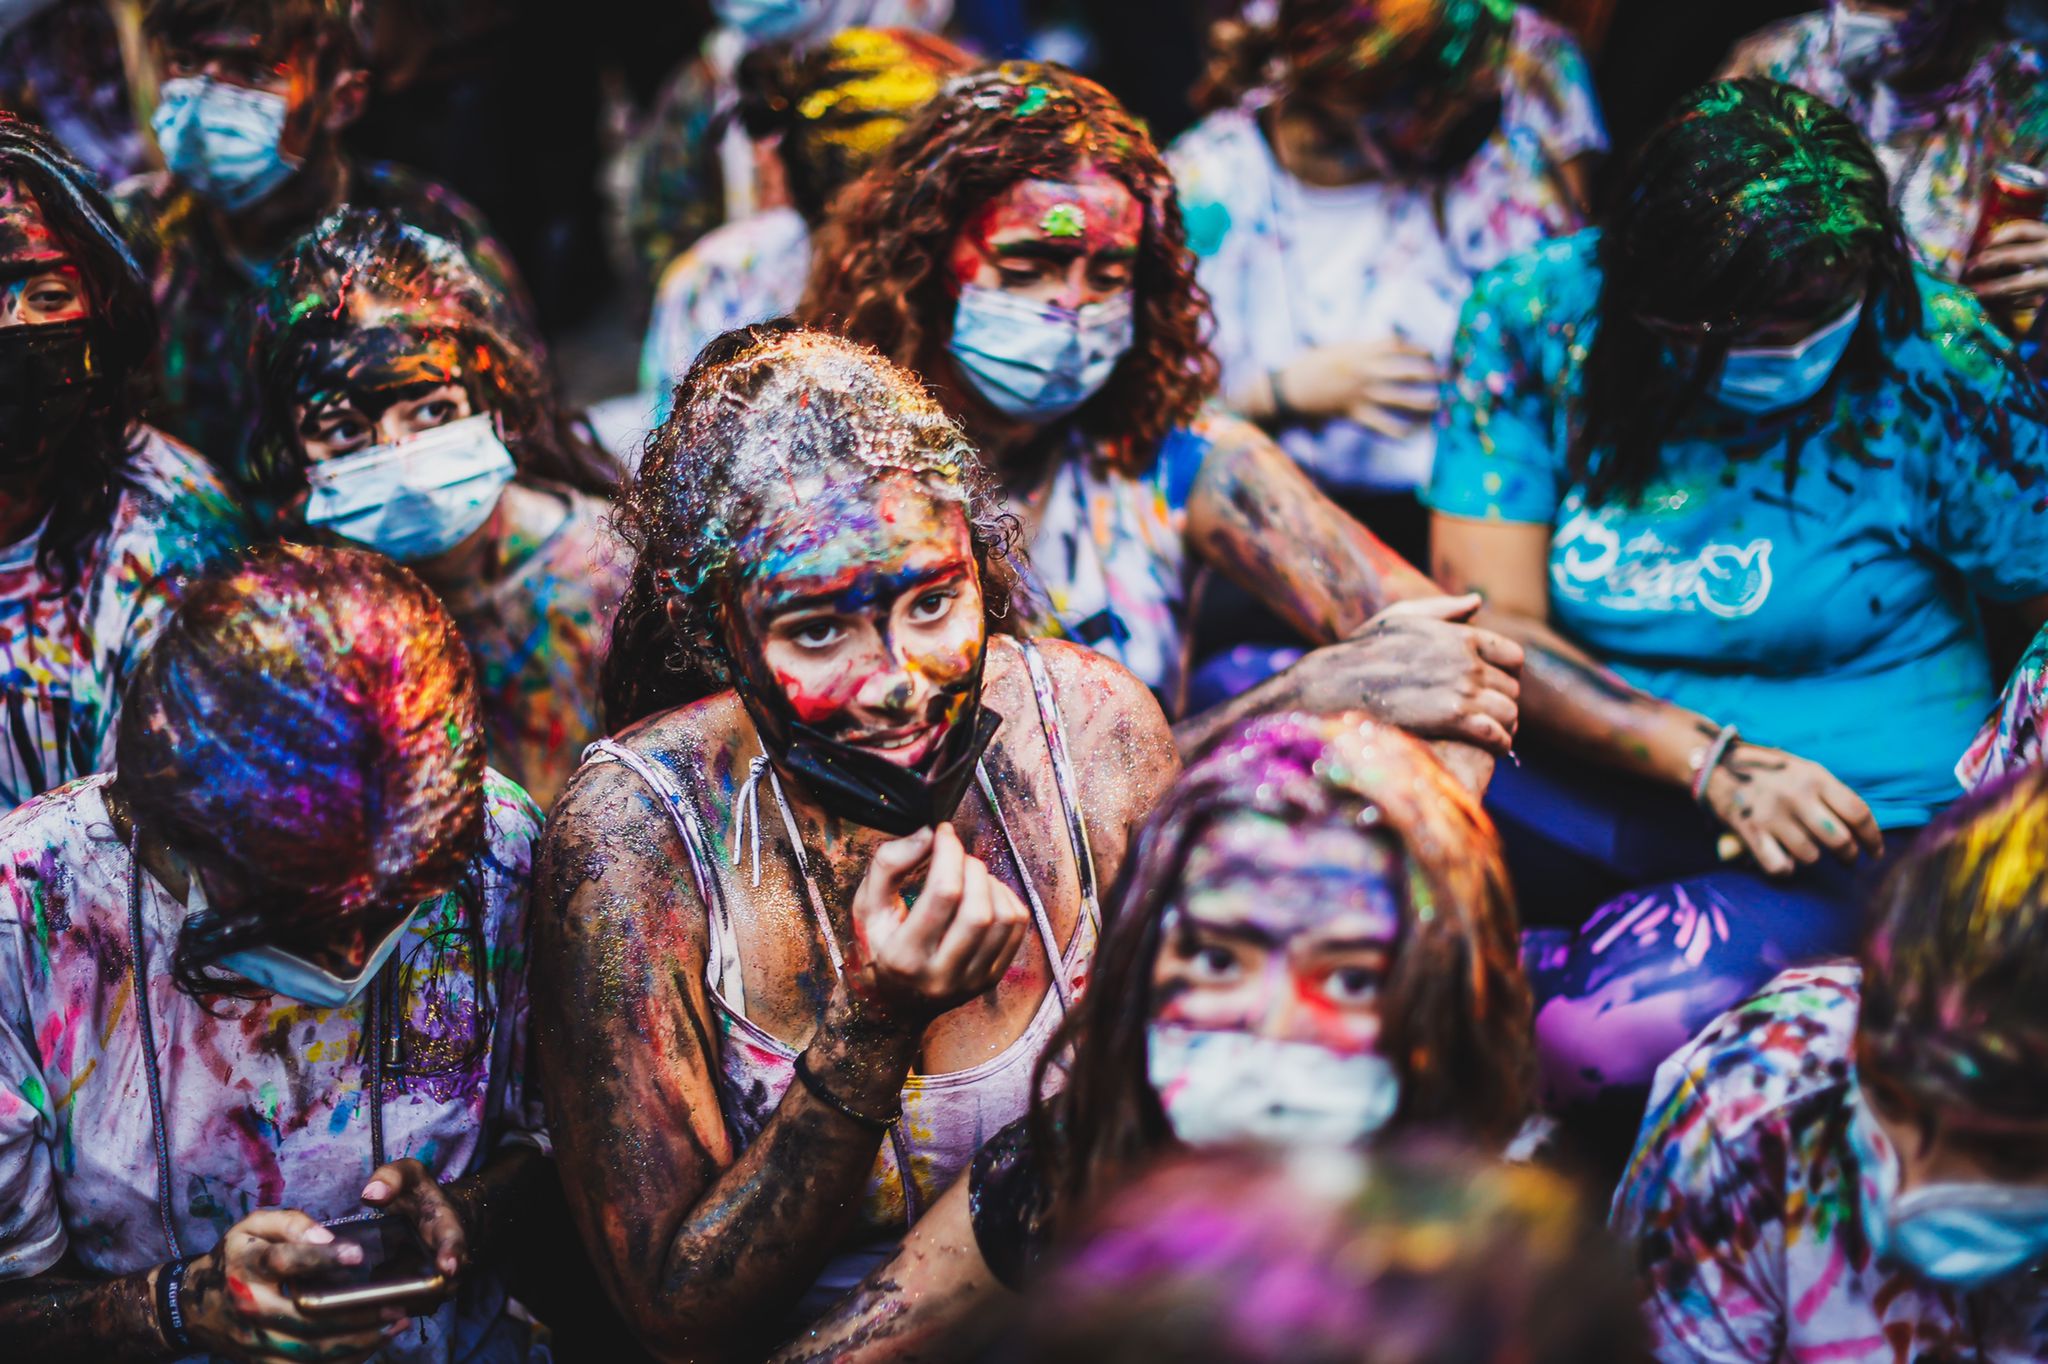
394	1269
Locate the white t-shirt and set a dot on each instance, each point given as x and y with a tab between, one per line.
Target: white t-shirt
1290	266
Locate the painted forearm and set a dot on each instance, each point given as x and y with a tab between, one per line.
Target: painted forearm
1576	703
103	1321
491	1201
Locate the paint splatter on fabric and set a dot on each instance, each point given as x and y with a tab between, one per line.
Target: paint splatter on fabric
1109	563
202	288
1938	155
1745	1200
265	1099
2011	736
64	656
742	272
1814	618
537	635
1288	266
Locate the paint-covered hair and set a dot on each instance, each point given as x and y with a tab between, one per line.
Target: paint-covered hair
307	723
834	108
365	277
331	30
1455	1009
1750	191
92	467
1366	48
1955	960
762	408
883	277
1420	1253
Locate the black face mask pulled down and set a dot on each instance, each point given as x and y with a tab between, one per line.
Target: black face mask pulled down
859	785
46	385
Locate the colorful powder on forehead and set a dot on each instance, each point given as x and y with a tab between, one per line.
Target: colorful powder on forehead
311	718
1065	220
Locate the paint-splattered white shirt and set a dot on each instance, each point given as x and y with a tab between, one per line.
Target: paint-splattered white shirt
742	272
1290	267
265	1098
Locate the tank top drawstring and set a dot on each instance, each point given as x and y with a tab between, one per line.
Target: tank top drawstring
748	801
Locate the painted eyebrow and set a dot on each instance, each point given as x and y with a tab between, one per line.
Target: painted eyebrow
1059	253
14	271
808	601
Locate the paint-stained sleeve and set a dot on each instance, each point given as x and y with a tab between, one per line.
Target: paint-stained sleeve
31	1224
1988	499
1563	107
1496	459
514	1107
1709	1269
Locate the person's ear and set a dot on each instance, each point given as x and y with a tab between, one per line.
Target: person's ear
346	99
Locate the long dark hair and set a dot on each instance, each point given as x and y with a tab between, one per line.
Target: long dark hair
94	464
368	268
1748	192
758	405
307	724
1455	1008
882	276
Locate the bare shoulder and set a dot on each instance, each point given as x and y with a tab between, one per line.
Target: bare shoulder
1120	742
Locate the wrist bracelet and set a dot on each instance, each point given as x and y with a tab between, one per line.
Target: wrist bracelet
1709	758
839	1105
170	1306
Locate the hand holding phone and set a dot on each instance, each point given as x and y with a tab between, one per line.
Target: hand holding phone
391	1269
238	1295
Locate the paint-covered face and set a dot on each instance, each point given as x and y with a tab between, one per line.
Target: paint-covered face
38	281
1065	242
1286	932
252	61
862	606
378	388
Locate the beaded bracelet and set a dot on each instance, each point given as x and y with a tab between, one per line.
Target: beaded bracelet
837	1104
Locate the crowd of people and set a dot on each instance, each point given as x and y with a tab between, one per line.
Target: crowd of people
1371	737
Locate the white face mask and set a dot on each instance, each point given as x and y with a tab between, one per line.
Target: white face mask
1961	1234
281	973
417	498
1220	1088
1036	360
222	140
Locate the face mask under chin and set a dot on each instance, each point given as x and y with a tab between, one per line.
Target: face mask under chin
859	785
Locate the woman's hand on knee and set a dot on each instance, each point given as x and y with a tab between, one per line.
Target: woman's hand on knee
953	943
1789	812
238	1297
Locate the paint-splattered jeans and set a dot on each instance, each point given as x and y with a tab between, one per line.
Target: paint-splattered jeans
1644	935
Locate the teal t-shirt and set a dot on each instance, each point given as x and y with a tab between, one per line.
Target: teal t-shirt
1834	618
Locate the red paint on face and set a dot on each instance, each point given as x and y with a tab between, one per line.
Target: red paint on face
1066	242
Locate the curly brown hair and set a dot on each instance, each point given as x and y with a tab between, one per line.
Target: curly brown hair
881	276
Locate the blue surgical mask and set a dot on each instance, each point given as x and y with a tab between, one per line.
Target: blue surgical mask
1773	378
1964	1235
415	499
222	140
1038	361
282	973
1222	1088
766	21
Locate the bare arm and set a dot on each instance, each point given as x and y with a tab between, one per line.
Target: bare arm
935	1301
1256	517
54	1316
1785	809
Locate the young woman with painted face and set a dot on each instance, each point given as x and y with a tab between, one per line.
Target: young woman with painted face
1363	162
101	517
253	96
1420	1253
407	409
830	112
267	973
1731	467
1020	247
802	940
1858	1155
1316	947
1946	97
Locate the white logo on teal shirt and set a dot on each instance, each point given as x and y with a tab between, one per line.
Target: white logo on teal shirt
1590	562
